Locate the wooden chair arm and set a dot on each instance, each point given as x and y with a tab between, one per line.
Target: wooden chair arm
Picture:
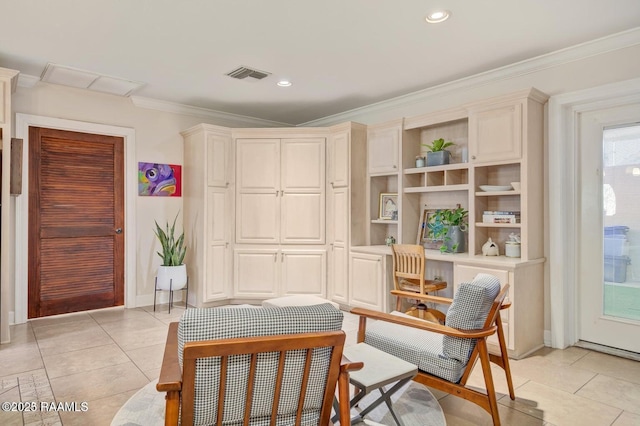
425	325
424	297
347	365
170	372
170	380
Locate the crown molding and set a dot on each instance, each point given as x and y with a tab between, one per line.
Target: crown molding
559	57
26	80
221	118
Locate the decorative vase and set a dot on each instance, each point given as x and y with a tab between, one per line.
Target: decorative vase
419	162
438	158
454	240
171	277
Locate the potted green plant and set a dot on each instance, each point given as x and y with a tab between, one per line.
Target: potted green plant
172	274
437	154
449	225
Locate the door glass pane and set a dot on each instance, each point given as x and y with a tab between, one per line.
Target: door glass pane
621	199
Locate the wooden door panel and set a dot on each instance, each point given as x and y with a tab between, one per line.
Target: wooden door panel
76	218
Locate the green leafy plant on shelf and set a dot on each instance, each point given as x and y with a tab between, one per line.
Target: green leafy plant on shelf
442	223
438	145
173	249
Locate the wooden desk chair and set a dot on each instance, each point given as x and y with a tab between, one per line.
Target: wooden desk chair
409	281
249	366
446	354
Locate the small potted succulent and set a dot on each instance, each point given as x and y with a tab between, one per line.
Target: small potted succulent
449	225
172	274
437	154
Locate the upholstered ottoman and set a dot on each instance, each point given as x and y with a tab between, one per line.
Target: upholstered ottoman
296	300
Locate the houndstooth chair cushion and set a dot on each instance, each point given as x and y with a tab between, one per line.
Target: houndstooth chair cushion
436	354
469	311
212	324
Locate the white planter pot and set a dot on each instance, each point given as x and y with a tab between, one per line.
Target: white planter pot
171	277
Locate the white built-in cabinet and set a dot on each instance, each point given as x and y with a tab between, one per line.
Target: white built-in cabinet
369	275
383	153
346	203
270	272
280	230
495	131
208	212
523	322
280	191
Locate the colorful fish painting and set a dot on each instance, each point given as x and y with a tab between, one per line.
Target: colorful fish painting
164	180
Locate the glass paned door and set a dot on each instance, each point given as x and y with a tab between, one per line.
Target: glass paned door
608	226
621	221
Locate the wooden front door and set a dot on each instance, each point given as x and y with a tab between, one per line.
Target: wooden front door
76	221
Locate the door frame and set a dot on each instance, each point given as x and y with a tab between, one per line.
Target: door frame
23	122
563	237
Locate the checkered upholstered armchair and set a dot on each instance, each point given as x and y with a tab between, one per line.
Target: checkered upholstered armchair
445	354
254	366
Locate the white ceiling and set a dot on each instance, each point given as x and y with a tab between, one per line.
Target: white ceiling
339	54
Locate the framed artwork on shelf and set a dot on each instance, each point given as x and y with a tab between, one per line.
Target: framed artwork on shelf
425	227
428	226
388	207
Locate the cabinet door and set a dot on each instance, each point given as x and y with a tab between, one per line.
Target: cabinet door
218	160
304	272
383	147
339	160
219	262
338	237
495	133
465	273
339	220
303	165
302	217
258	191
338	274
256	273
366	278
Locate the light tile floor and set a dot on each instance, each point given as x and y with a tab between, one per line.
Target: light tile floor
104	357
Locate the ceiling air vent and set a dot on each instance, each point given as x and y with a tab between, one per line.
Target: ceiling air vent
241	73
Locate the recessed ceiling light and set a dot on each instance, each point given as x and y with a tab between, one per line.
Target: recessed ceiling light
284	83
438	16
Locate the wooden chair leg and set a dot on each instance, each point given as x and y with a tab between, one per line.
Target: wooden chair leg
343	398
172	408
488	380
505	358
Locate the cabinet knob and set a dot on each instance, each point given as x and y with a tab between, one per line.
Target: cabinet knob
473	157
